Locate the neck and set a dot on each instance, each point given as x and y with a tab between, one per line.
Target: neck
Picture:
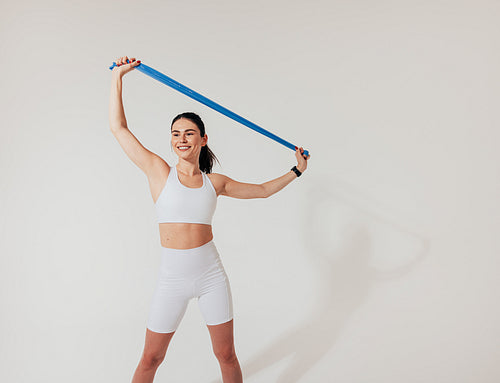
187	167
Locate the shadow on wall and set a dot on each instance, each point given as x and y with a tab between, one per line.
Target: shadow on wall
340	236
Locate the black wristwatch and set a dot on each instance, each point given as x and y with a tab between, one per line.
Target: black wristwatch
297	171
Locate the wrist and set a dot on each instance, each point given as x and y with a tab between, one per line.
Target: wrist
116	76
302	170
296	171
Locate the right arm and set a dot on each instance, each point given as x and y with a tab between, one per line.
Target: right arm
146	160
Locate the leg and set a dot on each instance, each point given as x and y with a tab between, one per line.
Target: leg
216	305
168	306
155	347
223	346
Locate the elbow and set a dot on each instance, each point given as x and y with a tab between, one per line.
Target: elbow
115	127
265	192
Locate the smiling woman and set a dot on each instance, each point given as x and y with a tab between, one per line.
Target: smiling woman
188	134
185	198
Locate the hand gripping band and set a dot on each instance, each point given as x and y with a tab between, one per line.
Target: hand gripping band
202	99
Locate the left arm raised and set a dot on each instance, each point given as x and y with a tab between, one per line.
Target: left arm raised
237	189
279	183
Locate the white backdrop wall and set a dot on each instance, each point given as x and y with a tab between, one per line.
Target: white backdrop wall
379	264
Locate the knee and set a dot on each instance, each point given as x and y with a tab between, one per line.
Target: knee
151	361
225	354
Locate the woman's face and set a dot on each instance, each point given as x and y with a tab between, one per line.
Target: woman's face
185	133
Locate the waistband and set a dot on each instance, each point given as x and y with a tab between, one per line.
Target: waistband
194	250
189	262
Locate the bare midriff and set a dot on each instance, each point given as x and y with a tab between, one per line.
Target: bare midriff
175	235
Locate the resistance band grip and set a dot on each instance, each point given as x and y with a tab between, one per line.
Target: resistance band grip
200	98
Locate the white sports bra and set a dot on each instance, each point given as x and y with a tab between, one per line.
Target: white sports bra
179	203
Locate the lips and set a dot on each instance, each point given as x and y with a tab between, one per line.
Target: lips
184	148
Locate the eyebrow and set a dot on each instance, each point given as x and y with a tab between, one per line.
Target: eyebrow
187	130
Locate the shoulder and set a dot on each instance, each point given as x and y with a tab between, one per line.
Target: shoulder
218	181
217	177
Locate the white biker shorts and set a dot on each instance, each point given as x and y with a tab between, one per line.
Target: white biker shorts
185	274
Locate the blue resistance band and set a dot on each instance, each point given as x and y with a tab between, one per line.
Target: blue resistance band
198	97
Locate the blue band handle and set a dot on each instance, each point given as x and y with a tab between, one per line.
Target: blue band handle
200	98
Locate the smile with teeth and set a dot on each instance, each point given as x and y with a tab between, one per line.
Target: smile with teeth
183	147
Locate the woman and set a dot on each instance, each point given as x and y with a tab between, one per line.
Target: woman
185	198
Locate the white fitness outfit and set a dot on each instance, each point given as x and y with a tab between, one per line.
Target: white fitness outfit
189	273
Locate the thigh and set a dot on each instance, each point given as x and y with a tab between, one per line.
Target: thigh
215	299
168	305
